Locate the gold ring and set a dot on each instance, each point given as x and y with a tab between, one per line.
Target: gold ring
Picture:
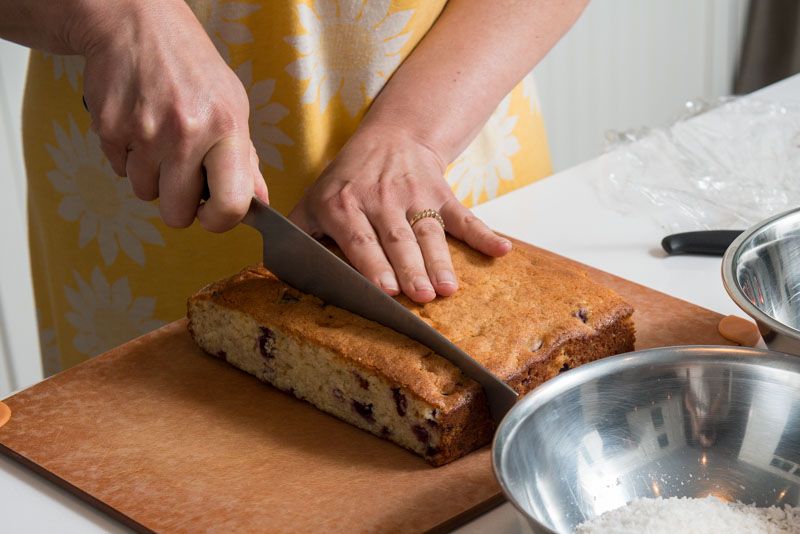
425	214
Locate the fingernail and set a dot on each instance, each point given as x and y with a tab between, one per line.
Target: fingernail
388	282
421	283
446	277
505	243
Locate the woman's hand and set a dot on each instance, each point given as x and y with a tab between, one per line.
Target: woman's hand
166	106
365	199
424	117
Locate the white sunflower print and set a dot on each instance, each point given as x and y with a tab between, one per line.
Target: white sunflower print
530	92
222	21
51	353
351	49
104	203
264	117
106	315
487	160
69	66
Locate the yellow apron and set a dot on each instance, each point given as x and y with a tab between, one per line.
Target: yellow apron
106	269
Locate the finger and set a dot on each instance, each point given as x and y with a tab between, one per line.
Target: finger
230	181
143	175
117	156
180	185
259	184
353	232
436	254
401	247
462	224
113	133
302	218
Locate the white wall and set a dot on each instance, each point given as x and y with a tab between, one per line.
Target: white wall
627	63
631	63
20	364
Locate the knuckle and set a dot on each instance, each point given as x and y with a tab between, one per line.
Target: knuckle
410	183
390	187
440	264
409	271
145	127
344	200
405	179
469	219
363	239
399	234
186	124
427	228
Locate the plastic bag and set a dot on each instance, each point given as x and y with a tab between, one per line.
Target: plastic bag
725	166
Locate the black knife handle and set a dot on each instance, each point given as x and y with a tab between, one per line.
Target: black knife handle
704	242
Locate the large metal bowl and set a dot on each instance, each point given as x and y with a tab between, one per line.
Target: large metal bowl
761	272
671	422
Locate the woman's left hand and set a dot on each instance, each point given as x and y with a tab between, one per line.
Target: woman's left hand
364	200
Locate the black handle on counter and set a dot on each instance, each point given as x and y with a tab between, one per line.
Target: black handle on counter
704	242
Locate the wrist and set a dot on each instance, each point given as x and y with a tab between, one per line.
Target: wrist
400	135
96	24
84	23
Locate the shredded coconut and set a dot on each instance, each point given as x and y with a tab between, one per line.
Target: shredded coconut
689	516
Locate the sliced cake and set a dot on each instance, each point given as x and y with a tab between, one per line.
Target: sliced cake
525	316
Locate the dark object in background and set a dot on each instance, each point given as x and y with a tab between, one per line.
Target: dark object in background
771	48
704	242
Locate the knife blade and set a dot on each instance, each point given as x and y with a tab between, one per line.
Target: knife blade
304	263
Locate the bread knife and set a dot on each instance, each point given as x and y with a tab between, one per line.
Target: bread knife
304	263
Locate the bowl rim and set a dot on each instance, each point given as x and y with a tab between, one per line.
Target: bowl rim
536	398
731	283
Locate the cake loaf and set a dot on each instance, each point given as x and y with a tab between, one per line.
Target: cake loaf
525	316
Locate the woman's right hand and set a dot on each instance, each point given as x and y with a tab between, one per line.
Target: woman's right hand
166	105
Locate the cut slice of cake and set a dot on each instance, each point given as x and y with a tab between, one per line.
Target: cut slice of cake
525	316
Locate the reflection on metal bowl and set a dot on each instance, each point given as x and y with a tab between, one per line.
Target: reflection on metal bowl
671	422
761	272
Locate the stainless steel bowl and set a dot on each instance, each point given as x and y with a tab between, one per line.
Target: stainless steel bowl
761	272
671	422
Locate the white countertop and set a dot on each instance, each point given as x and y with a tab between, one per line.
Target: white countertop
562	214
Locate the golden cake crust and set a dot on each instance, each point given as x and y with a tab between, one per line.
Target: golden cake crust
513	314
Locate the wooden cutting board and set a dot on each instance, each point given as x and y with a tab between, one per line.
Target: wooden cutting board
166	438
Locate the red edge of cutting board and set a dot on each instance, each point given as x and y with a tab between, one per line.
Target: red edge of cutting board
5	413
